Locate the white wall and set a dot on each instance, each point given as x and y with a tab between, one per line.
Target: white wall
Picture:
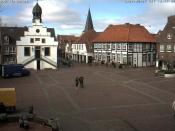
25	42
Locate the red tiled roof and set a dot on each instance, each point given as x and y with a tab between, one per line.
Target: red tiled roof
125	33
63	39
87	37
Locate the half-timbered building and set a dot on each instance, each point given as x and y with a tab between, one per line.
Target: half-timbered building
126	44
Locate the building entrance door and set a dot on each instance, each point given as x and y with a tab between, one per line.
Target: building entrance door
37	56
108	58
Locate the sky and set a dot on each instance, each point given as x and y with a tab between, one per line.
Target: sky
68	17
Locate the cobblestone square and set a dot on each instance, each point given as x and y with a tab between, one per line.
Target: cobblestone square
132	99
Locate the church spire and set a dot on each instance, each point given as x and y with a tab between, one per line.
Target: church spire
89	23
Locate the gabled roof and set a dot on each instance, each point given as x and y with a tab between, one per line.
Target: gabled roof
14	33
125	33
52	31
87	37
169	29
64	39
89	23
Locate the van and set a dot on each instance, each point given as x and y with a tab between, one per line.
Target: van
14	70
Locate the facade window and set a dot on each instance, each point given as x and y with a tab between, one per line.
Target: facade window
149	57
6	60
96	57
37	39
99	57
168	48
99	46
162	48
124	59
144	47
169	36
144	57
26	51
153	47
104	47
113	57
6	50
154	57
37	30
12	49
6	40
148	47
43	40
119	47
124	47
130	47
108	46
47	51
103	56
31	40
12	60
113	46
95	46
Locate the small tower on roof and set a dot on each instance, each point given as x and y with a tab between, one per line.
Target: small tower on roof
37	12
89	23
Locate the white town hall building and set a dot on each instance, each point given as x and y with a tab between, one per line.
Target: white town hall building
37	49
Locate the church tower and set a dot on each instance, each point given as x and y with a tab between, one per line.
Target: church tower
37	12
89	23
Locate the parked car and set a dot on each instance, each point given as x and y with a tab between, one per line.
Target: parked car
14	70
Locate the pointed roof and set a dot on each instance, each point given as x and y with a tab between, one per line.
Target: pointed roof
89	23
87	37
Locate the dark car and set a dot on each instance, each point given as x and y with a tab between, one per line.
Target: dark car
14	70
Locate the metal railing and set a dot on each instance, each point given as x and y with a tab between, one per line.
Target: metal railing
49	61
27	61
43	58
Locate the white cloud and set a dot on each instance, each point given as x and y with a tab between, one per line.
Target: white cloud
53	11
154	18
59	14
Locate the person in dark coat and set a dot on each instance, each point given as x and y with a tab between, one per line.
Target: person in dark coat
76	81
81	79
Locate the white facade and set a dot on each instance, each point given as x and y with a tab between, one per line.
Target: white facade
37	49
134	54
80	53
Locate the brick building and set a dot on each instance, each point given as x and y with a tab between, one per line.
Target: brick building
8	38
166	45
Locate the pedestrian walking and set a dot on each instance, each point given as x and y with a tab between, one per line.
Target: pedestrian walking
173	107
76	81
81	79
